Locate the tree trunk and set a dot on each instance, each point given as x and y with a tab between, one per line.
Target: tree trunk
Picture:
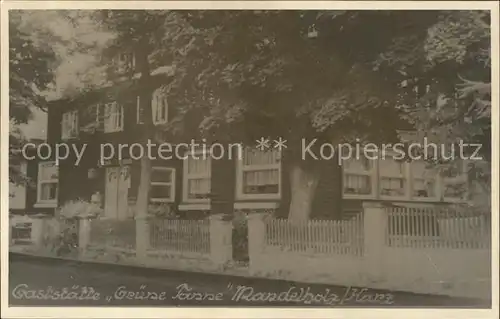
303	184
144	187
142	203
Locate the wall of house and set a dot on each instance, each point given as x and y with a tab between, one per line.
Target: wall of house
328	201
25	200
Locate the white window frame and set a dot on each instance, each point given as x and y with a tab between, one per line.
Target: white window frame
412	179
371	173
171	197
440	182
461	178
40	201
113	120
157	96
124	60
241	168
69	125
405	175
186	176
138	120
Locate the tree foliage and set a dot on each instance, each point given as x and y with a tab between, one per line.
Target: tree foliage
337	75
449	66
31	64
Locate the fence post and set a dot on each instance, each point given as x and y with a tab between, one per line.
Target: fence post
141	238
84	225
221	250
256	239
37	231
11	223
374	228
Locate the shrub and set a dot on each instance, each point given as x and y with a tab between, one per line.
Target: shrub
163	210
65	242
240	237
79	209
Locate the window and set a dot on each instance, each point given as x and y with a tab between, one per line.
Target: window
140	111
125	62
424	182
159	107
259	174
359	176
197	175
21	232
47	188
454	180
69	125
162	185
393	182
90	120
113	117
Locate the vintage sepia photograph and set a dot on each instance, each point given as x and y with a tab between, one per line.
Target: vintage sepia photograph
335	158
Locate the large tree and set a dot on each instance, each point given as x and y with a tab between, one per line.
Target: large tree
296	75
333	75
32	61
449	65
330	75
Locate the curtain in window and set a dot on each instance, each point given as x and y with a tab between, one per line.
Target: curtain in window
198	188
392	181
113	120
260	178
199	166
424	184
159	107
69	124
357	184
48	191
256	157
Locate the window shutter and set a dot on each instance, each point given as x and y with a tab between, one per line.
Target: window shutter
121	115
75	123
139	111
108	113
99	116
159	107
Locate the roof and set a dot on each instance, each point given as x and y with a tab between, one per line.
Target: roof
112	88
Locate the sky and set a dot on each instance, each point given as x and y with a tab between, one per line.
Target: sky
73	67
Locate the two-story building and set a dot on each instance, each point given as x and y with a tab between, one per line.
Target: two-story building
194	184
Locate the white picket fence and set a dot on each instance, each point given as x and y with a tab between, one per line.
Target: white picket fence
438	228
180	236
435	251
316	236
157	242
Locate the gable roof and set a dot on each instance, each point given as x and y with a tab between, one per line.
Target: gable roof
127	85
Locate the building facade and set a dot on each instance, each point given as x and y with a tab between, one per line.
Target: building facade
195	184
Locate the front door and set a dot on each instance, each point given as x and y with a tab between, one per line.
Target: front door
116	195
